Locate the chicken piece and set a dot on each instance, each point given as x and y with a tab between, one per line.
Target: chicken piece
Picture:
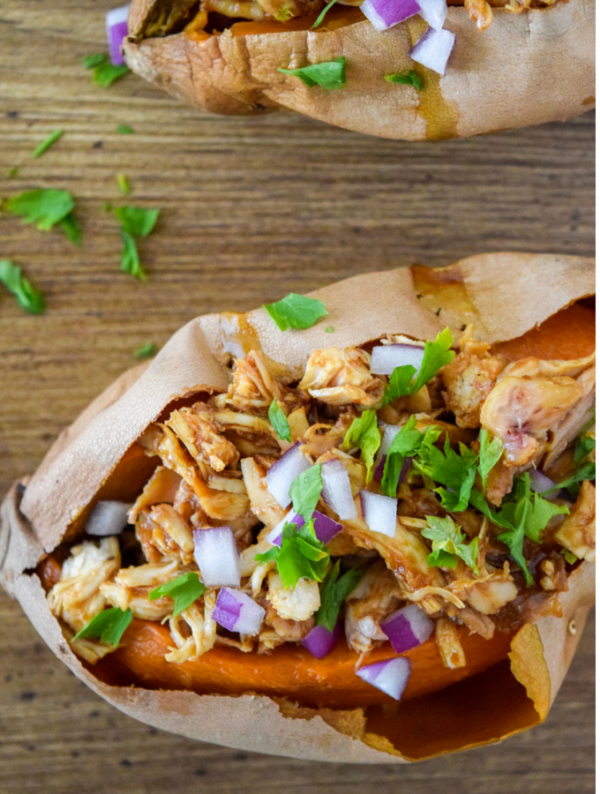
131	589
521	411
76	598
321	438
160	440
577	532
298	423
262	504
160	488
448	642
171	534
470	377
541	368
375	597
490	595
341	377
248	563
193	631
253	388
188	505
246	425
576	419
298	603
499	482
196	428
480	12
476	622
555	577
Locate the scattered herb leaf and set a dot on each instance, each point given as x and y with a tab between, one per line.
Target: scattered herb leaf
184	590
569	556
321	16
91	61
448	544
455	472
46	206
330	75
145	351
296	311
137	221
406	78
301	555
72	229
306	490
108	625
437	354
124	129
123	183
364	433
279	421
13	172
329	329
130	258
45	145
28	298
334	591
407	443
490	452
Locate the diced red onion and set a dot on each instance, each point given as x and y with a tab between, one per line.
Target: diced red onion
383	14
116	31
539	482
433	49
325	528
282	474
407	628
379	512
216	554
236	611
434	12
390	677
107	518
320	641
385	358
337	491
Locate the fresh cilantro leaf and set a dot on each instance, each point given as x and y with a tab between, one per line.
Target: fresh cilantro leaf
406	78
329	74
184	590
455	472
490	452
30	299
437	354
279	421
123	183
108	625
71	228
46	206
45	145
145	351
571	484
91	61
306	490
296	311
364	433
301	555
329	329
334	591
321	16
106	73
407	443
130	259
13	172
137	221
124	129
569	556
585	444
447	539
516	535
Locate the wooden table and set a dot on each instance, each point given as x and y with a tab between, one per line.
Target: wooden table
251	209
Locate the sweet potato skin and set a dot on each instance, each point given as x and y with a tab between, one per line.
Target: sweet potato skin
525	69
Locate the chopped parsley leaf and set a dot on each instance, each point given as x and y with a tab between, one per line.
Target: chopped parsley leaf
334	591
448	544
321	16
329	329
28	298
406	78
145	351
296	311
124	129
330	75
407	443
279	421
364	433
71	228
13	172
109	626
490	452
91	61
455	472
405	380
46	206
45	145
301	555
135	222
123	183
306	491
184	590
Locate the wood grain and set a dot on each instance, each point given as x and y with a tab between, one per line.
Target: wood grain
251	209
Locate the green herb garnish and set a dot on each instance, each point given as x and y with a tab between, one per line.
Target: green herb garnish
490	452
145	351
305	492
334	591
569	556
364	433
448	544
301	555
184	590
296	311
51	139
329	329
13	172
135	222
321	16
279	421
403	381
44	206
330	75
455	472
407	443
28	298
105	73
406	78
108	625
124	129
72	229
123	183
91	61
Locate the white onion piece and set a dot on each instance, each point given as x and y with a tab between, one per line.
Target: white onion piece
390	677
116	31
434	12
385	358
337	491
236	611
379	512
282	474
107	518
539	482
217	556
407	627
383	14
433	49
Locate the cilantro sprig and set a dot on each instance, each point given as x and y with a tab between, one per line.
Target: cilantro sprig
405	380
364	433
585	470
456	473
330	75
104	72
279	421
490	452
28	298
47	207
135	222
108	626
321	17
301	555
306	490
47	143
448	544
184	590
408	443
296	311
334	591
406	78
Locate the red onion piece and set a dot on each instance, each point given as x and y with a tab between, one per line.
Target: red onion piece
282	474
236	611
539	482
107	518
337	491
325	528
383	14
320	641
407	628
217	556
390	677
385	358
433	49
379	512
434	12
116	31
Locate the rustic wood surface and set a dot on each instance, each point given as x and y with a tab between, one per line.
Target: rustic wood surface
251	209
